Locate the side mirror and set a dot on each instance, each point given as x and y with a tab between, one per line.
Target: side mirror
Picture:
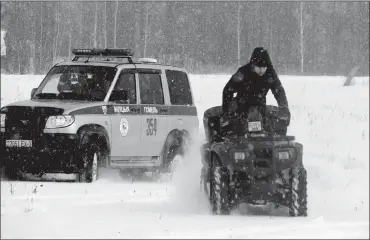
119	96
33	92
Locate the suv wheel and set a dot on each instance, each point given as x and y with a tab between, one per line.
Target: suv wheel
298	192
91	170
174	152
219	189
169	164
177	162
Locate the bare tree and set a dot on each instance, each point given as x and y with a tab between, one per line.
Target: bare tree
305	37
41	46
238	30
115	26
56	31
70	45
303	20
301	34
18	57
146	27
95	25
105	24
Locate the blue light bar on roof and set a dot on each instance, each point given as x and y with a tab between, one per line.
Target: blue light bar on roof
114	52
119	51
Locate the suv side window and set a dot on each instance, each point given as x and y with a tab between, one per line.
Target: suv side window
151	90
126	81
179	87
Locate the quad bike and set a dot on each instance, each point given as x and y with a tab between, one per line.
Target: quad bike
248	158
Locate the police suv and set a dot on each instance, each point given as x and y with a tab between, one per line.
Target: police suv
102	109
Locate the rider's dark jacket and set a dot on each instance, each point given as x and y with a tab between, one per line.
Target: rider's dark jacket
251	89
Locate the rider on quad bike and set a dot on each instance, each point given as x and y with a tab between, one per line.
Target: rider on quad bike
248	156
251	84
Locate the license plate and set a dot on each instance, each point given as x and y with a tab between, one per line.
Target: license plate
18	143
254	126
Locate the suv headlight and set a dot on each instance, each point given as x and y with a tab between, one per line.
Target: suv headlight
59	121
3	116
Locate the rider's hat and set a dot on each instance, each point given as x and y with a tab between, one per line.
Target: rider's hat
260	57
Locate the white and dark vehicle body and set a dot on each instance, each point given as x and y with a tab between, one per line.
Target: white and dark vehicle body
101	110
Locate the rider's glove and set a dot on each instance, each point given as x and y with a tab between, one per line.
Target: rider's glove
284	115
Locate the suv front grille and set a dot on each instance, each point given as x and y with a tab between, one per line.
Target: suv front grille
28	121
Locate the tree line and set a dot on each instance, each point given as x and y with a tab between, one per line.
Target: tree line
306	38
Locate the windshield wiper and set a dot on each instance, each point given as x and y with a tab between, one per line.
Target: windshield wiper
71	96
46	96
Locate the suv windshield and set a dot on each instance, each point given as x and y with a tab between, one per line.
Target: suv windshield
87	83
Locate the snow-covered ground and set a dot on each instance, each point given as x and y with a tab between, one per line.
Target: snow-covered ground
330	120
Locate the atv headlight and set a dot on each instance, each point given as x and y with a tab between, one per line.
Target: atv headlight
254	126
3	116
285	154
59	121
239	155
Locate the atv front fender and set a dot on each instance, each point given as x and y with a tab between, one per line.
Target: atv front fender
222	151
299	153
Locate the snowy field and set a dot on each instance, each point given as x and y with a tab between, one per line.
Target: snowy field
330	120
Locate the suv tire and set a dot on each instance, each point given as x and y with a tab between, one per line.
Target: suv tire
91	158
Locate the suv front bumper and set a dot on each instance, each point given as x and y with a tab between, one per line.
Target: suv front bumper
48	153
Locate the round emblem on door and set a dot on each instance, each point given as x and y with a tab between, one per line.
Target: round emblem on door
123	127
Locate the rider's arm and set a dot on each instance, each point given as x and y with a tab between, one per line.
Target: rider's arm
229	90
278	90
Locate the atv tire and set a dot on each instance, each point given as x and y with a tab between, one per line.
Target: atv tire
298	192
219	189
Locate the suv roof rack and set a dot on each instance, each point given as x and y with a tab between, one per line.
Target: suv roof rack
103	53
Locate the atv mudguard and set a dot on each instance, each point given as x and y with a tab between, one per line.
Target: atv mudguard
211	122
